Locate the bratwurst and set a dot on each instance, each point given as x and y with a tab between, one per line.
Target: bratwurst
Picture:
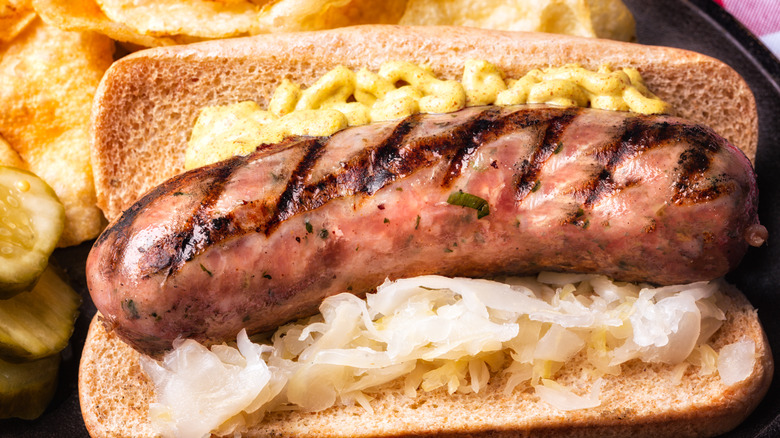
258	240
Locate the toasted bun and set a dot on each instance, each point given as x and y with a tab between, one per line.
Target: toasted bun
147	103
643	401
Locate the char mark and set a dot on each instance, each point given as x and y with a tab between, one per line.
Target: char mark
407	150
638	136
549	144
694	183
463	142
601	186
694	180
366	172
400	154
381	165
201	230
292	200
209	182
642	134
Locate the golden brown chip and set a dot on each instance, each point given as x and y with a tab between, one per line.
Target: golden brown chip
590	18
160	22
9	157
230	18
611	19
298	15
200	18
47	80
86	15
149	23
15	15
348	13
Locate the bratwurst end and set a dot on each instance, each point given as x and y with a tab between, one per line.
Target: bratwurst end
256	241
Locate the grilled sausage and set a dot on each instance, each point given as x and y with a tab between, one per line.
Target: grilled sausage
258	240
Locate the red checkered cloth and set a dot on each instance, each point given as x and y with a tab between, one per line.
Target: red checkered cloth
762	17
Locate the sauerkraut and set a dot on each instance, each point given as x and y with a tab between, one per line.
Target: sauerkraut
448	334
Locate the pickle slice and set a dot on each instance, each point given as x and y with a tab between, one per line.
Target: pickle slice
38	323
26	388
31	222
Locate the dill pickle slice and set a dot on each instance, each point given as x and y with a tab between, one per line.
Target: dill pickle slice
31	222
26	388
38	323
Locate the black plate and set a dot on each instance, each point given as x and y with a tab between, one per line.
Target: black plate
698	25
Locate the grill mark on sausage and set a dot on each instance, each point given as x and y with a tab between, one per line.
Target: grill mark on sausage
210	181
640	135
366	172
466	141
383	164
200	231
692	185
401	154
601	186
637	137
290	202
120	231
548	145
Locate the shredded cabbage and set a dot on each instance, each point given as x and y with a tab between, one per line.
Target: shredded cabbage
562	398
736	361
198	390
443	333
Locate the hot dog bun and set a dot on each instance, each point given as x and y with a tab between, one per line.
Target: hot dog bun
643	401
147	103
144	112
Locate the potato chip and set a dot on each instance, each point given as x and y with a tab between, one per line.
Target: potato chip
86	15
9	157
201	18
48	78
589	18
297	15
613	20
161	22
15	15
150	23
230	18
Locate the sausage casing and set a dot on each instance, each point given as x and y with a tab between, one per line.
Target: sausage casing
255	241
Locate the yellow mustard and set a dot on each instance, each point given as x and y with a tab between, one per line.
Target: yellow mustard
344	98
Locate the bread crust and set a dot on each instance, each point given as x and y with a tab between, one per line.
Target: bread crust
147	103
643	401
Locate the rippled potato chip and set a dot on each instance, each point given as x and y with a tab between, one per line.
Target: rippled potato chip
161	22
9	157
296	15
229	18
48	78
86	15
200	18
149	23
361	12
15	15
589	18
